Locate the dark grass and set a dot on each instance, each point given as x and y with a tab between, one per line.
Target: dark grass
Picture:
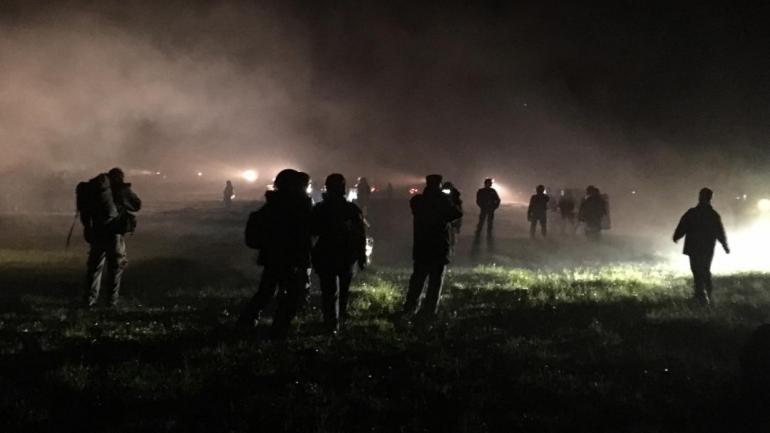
614	347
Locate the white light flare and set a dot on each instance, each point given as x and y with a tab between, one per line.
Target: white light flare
250	176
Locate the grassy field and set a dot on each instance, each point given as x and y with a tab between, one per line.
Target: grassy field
593	347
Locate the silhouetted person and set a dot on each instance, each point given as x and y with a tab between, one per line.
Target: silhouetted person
106	203
701	227
363	191
281	231
488	201
537	212
389	191
455	197
433	213
228	194
592	209
566	207
339	226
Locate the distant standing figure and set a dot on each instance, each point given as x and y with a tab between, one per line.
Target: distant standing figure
339	226
537	212
434	214
280	230
389	191
701	226
592	210
228	194
106	204
488	201
566	207
364	191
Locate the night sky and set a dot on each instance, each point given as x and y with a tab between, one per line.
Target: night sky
528	90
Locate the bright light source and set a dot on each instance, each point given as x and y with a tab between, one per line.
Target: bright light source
413	191
763	205
250	175
446	191
352	194
200	173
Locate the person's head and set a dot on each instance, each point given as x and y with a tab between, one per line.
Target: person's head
590	190
447	185
285	180
488	182
229	183
335	184
433	181
704	196
116	175
540	189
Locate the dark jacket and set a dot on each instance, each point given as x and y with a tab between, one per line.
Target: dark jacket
285	230
701	227
433	214
126	199
538	206
487	199
567	206
339	226
592	210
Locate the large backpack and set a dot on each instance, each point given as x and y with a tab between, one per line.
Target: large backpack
95	202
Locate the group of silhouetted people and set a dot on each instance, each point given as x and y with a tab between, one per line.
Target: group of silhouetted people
294	236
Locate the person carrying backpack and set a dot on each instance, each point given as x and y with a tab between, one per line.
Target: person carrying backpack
340	228
280	230
106	204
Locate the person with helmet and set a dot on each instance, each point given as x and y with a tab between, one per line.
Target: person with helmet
280	231
340	230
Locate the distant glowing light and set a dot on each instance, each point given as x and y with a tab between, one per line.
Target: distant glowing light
413	191
250	175
157	173
200	173
763	205
232	197
633	192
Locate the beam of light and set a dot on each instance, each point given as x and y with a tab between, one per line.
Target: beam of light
763	205
748	251
250	176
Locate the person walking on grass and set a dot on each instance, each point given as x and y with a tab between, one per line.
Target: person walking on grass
488	201
701	226
434	214
106	205
340	230
537	212
280	231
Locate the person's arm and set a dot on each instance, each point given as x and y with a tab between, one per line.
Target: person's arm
682	227
495	199
530	208
131	201
721	237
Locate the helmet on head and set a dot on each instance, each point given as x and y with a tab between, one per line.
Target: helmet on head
433	181
286	179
